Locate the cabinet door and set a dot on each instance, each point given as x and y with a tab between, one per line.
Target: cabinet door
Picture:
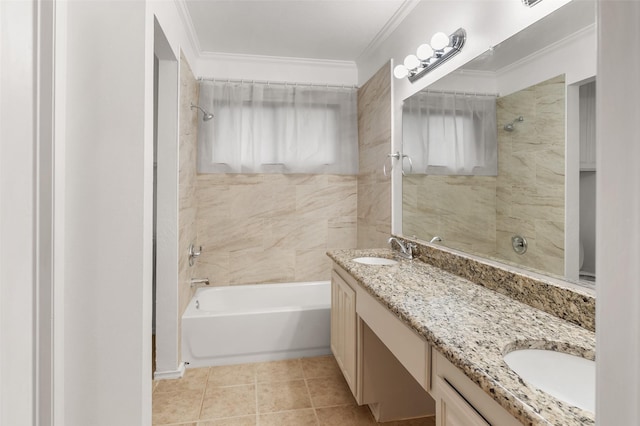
453	410
343	328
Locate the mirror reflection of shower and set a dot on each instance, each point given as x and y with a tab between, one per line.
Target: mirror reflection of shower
509	127
587	239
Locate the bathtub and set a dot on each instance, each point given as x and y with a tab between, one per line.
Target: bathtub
255	323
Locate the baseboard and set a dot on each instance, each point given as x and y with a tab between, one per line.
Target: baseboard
165	375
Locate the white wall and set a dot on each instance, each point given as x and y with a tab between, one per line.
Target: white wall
266	68
618	215
107	234
17	212
487	23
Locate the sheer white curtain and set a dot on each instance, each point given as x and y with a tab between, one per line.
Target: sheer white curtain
450	134
277	128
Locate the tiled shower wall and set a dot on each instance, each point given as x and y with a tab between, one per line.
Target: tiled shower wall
374	143
530	186
187	181
479	214
270	228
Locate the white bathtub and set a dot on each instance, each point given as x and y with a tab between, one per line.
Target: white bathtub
255	323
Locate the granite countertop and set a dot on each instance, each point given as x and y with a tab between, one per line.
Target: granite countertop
473	327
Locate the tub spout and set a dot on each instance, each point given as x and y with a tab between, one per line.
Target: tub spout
198	282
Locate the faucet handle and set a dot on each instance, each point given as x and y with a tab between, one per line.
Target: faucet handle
194	253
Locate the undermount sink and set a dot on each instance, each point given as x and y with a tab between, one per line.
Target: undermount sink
375	261
569	378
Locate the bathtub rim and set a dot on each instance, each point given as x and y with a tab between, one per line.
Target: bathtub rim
192	312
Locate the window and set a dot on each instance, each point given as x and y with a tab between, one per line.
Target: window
277	128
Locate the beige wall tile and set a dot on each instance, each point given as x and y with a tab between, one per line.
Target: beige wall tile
374	142
312	265
272	227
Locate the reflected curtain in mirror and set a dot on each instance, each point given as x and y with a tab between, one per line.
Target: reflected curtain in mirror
278	128
450	133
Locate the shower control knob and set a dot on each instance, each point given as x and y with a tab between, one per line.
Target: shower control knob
519	244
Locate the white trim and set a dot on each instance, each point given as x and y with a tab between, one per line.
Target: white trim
389	27
187	21
59	211
275	68
170	374
279	60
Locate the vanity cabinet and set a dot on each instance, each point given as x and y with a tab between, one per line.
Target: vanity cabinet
383	361
460	402
343	329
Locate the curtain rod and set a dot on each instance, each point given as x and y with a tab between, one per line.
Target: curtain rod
449	92
280	83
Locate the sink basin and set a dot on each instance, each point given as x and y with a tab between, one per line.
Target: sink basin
375	261
569	378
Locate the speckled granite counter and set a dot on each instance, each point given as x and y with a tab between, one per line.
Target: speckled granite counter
474	327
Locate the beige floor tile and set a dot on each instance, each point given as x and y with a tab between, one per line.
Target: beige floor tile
224	402
324	366
176	407
329	391
277	371
193	379
305	417
232	375
422	421
351	415
234	421
282	396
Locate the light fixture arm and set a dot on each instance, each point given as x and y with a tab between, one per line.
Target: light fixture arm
456	41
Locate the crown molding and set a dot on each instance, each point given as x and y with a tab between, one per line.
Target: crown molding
390	26
281	60
185	17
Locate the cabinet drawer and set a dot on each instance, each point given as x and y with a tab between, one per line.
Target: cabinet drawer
453	410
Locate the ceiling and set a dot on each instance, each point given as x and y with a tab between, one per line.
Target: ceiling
315	29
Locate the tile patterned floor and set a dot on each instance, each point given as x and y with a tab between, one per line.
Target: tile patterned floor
300	392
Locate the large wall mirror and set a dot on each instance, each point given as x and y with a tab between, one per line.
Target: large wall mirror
503	151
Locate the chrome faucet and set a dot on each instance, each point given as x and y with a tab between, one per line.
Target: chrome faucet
406	249
199	282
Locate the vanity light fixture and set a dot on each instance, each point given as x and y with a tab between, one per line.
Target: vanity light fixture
430	56
530	2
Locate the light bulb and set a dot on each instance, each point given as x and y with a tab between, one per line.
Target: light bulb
400	71
411	62
424	52
439	41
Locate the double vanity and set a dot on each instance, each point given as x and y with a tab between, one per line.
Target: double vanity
413	339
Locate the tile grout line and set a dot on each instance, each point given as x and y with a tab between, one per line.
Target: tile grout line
315	413
255	386
204	391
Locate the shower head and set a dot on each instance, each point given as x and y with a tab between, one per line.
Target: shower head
206	116
509	126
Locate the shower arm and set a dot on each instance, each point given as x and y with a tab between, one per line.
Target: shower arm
206	116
